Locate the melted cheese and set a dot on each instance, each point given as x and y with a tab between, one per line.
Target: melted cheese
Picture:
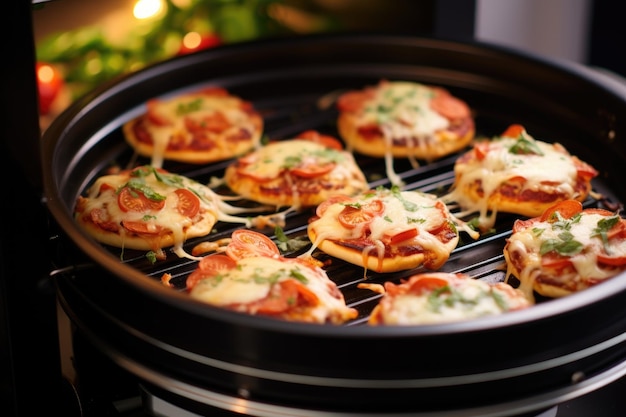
402	110
274	158
501	165
253	278
528	243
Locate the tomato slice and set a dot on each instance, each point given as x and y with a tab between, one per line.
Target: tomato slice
611	260
135	200
105	187
449	106
208	267
142	228
400	236
326	140
420	284
153	114
188	203
374	207
567	209
584	170
311	170
513	131
216	122
351	217
290	294
338	198
555	262
617	231
247	243
481	149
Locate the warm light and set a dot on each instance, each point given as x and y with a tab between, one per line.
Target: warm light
192	40
45	74
145	9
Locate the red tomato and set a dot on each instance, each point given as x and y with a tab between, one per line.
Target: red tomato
425	283
152	106
400	236
134	200
208	267
611	260
188	203
555	261
375	207
49	84
142	228
351	217
481	149
566	208
338	198
584	170
105	187
215	122
448	106
246	243
312	170
513	131
326	140
290	294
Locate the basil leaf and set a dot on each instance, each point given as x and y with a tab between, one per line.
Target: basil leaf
524	146
604	225
135	184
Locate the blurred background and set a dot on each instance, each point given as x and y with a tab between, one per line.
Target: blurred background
82	44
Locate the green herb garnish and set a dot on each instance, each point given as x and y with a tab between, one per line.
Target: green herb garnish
604	225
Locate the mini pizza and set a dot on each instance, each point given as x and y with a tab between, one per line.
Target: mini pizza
300	172
196	127
148	209
385	230
515	173
565	250
404	119
252	277
440	297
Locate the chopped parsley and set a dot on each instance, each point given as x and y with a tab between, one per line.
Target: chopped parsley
565	245
525	146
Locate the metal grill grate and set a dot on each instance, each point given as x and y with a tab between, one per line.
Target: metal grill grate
285	118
